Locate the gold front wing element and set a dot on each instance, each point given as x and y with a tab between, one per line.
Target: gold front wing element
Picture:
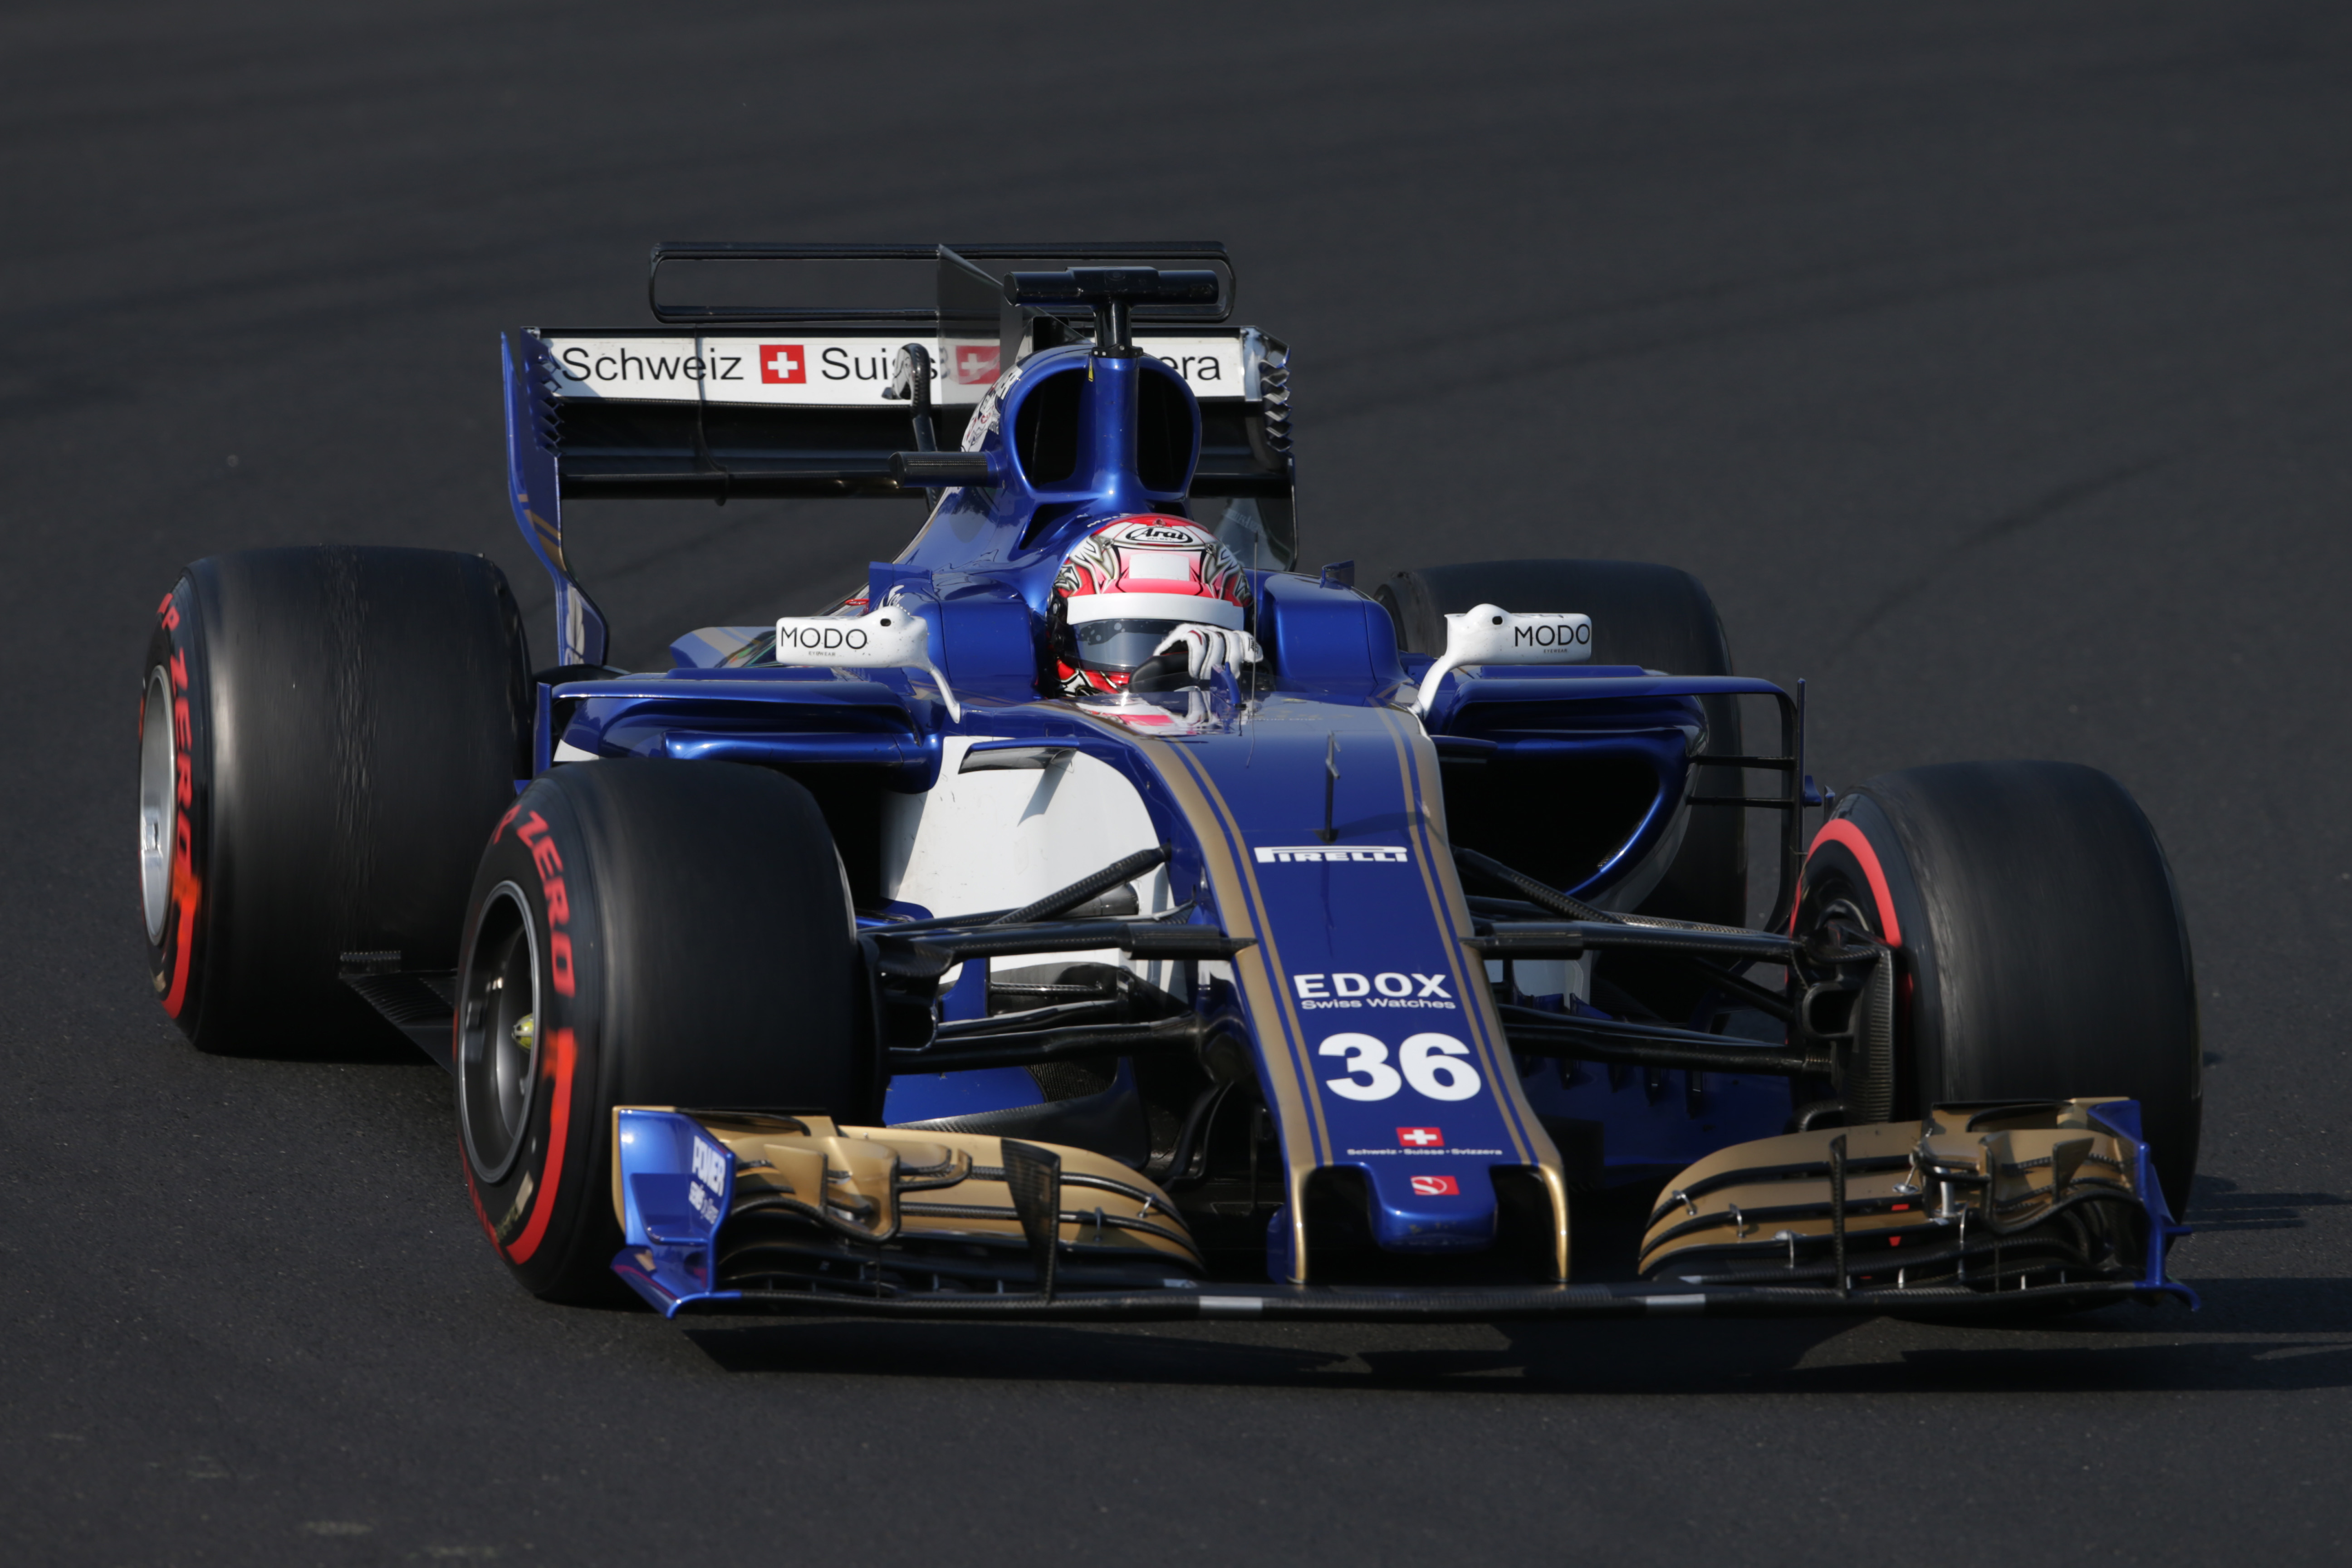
876	1187
1984	1197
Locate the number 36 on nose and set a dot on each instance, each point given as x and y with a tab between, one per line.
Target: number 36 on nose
1429	1065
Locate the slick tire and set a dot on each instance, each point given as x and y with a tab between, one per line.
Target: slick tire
1655	617
2039	948
326	736
645	932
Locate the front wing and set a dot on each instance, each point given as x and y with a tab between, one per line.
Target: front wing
2005	1209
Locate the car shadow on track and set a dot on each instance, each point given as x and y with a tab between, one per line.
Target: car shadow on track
2114	1350
2218	1207
350	1035
2252	1333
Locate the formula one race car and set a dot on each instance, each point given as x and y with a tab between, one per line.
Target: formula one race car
1089	914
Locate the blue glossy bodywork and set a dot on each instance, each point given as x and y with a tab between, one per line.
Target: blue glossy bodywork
677	1183
2122	1119
1376	1039
1019	529
535	491
981	573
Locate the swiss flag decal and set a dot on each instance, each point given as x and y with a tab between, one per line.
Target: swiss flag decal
1421	1138
975	366
783	364
1437	1187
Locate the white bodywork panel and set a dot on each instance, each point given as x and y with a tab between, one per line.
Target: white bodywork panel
1488	634
1548	976
888	637
998	840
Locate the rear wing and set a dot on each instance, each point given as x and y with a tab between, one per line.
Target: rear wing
722	401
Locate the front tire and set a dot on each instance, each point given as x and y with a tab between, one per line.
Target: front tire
2039	942
645	932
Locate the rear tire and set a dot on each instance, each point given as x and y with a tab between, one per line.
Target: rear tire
1655	617
684	936
326	735
2039	942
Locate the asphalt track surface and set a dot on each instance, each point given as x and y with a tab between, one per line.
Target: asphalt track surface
1991	362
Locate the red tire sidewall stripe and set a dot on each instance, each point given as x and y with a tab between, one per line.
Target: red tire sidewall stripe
1845	833
474	1192
564	1047
187	889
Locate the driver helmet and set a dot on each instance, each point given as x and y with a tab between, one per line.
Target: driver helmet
1129	584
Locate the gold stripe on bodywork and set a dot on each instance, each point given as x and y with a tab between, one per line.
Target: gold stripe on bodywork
1233	878
1295	1103
551	538
1443	889
1443	886
1287	1008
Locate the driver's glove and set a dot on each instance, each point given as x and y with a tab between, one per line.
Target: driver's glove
1206	647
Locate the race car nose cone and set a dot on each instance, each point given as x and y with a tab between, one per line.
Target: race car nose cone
1431	1203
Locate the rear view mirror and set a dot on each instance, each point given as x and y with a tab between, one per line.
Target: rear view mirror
1487	634
892	637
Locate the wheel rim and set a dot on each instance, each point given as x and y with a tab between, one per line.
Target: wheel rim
498	1041
1834	899
159	801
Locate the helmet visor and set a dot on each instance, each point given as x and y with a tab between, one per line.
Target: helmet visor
1123	646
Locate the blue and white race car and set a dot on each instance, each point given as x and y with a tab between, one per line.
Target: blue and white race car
1090	914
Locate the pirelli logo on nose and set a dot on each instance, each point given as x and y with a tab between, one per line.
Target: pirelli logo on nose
1361	853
